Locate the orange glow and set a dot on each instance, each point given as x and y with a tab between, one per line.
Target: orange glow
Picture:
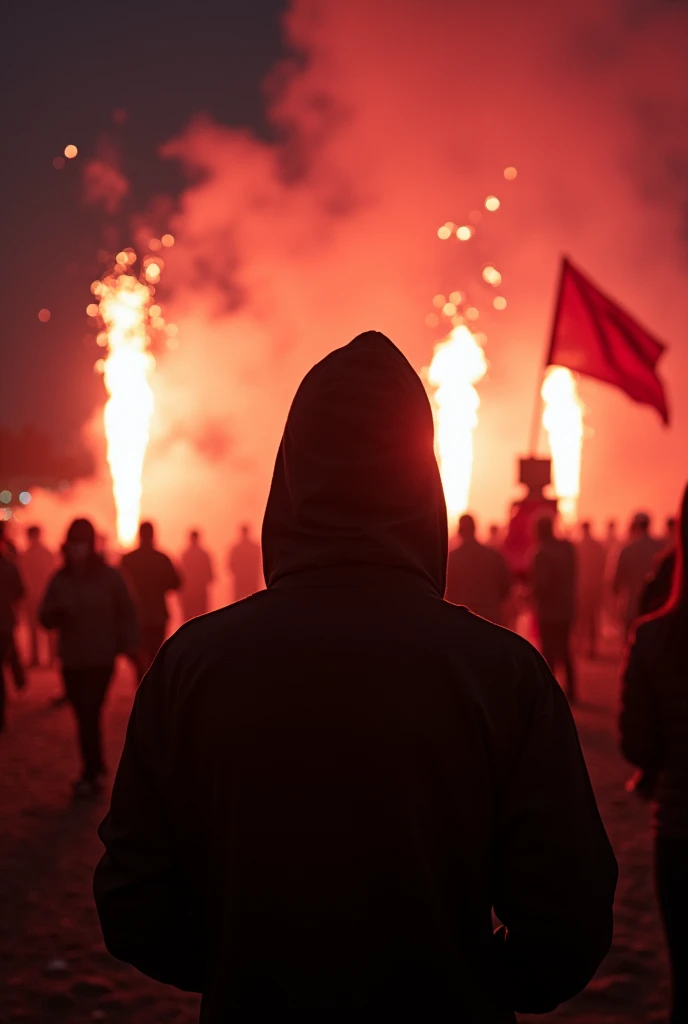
499	302
157	323
92	309
167	241
44	315
510	173
562	418
472	313
444	232
464	232
124	312
492	276
154	244
172	330
492	203
439	301
70	152
456	298
432	320
449	309
154	311
152	272
458	363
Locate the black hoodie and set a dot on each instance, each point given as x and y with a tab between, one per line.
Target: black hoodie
327	787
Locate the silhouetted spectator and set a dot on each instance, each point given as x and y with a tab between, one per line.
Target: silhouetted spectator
152	575
11	657
657	589
477	575
197	571
670	536
11	592
326	787
654	737
494	539
88	603
244	565
592	559
635	564
554	592
37	564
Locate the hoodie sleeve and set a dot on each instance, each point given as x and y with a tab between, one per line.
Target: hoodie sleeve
51	612
554	870
143	894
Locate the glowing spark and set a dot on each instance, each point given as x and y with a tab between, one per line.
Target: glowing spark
444	232
510	173
456	298
458	363
492	276
167	241
562	418
499	302
492	203
70	152
464	233
123	310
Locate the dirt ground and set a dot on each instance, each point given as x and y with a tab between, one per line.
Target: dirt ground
54	967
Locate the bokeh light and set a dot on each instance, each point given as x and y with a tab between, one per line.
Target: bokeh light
70	152
25	497
510	173
5	496
44	315
167	241
464	232
499	302
58	163
492	203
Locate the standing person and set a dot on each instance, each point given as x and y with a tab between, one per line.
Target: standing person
197	571
669	538
244	565
654	737
11	592
636	562
592	559
37	564
151	575
326	787
477	575
554	593
494	539
88	603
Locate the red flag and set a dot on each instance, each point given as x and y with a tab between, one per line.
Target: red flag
594	336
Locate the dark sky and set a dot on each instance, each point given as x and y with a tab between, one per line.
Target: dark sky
66	68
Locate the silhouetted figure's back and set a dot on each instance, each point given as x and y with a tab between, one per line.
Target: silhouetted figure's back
554	594
197	571
151	575
244	565
326	787
477	575
635	565
592	561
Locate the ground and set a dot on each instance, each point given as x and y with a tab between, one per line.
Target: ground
54	967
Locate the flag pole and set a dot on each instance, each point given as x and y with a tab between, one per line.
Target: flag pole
536	421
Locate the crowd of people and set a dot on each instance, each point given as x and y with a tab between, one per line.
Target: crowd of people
309	827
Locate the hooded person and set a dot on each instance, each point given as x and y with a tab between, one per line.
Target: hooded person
654	738
327	787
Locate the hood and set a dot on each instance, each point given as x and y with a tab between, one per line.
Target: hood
356	480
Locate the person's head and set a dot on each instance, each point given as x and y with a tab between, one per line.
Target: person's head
611	527
586	527
194	537
640	525
544	529
671	528
146	535
494	531
34	534
356	482
79	548
466	527
245	531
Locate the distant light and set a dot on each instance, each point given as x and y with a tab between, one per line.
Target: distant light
492	203
99	366
456	298
472	313
456	320
44	315
172	330
154	244
510	173
443	232
5	496
449	309
157	323
70	152
58	163
464	233
5	514
173	343
102	339
96	287
92	309
492	276
122	258
167	241
25	497
152	272
154	311
432	320
499	302
439	301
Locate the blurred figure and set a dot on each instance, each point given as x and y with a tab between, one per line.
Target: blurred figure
88	603
654	737
152	575
635	564
494	539
477	575
325	787
244	565
197	572
592	559
37	564
11	652
670	535
11	592
657	589
554	593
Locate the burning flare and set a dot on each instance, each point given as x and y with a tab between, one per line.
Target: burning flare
458	363
125	312
562	418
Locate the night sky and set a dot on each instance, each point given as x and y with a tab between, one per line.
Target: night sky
68	68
